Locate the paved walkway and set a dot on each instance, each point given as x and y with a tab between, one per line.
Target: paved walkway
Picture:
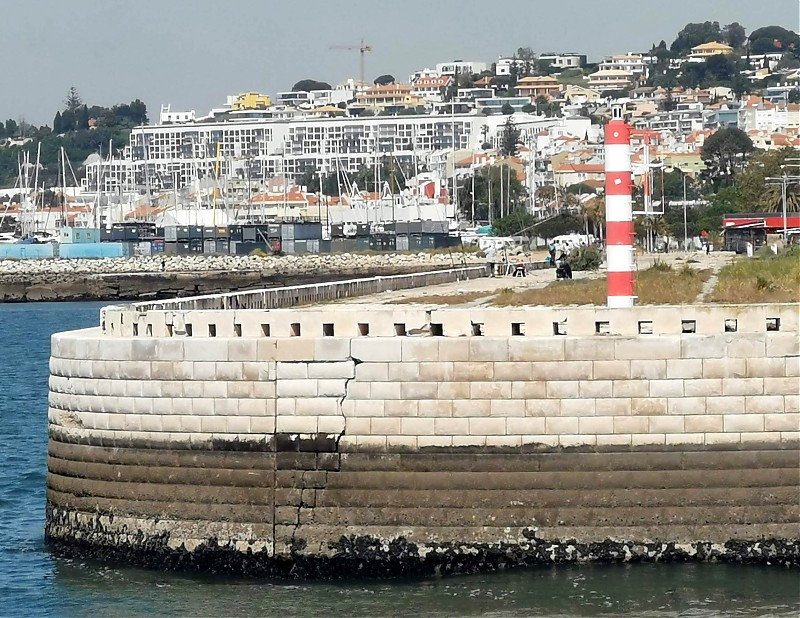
539	279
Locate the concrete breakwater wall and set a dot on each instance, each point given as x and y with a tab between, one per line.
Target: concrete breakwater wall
143	277
412	440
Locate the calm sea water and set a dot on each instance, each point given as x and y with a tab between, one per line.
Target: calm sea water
34	583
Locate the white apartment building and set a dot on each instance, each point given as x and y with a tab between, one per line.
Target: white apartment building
611	79
176	156
678	122
565	61
636	64
461	67
770	117
432	89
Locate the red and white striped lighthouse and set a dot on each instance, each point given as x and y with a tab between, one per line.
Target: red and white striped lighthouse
619	212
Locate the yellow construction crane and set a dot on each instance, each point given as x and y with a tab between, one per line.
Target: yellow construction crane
362	49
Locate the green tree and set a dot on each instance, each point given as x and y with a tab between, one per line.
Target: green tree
384	80
509	140
518	223
82	118
752	182
507	110
57	127
558	225
487	184
694	34
580	188
306	85
11	128
73	101
725	151
773	39
734	35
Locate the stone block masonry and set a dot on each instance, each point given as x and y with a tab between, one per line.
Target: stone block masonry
411	440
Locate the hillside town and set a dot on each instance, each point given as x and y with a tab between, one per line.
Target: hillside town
461	141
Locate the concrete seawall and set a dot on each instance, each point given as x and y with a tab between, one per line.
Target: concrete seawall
313	442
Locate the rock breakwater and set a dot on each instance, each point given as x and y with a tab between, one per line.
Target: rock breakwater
185	275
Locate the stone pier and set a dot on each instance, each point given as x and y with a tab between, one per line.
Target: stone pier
405	439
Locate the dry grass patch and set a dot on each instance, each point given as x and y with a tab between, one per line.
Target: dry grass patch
442	299
658	285
765	279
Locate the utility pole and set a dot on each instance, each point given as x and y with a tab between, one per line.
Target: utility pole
685	226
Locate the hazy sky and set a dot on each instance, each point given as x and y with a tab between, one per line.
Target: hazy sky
192	53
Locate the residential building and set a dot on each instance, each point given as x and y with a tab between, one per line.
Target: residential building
757	114
611	79
251	100
575	94
389	98
495	105
460	67
503	66
534	87
636	64
169	117
470	94
431	89
706	50
564	61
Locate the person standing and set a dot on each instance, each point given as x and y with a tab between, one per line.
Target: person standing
491	259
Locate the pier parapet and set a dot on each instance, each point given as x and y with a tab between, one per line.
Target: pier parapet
382	439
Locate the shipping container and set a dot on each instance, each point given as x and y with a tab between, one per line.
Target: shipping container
362	229
274	230
236	233
415	242
131	234
362	244
118	232
98	250
223	246
171	248
222	231
337	230
275	244
246	248
312	246
307	231
324	246
401	242
142	248
401	227
184	248
287	246
343	245
171	234
248	233
183	233
105	235
209	245
287	231
195	232
157	245
415	227
434	227
209	233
